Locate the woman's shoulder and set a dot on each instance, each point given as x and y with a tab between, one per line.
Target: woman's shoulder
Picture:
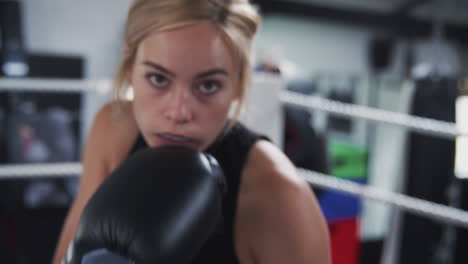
115	119
268	165
115	131
274	196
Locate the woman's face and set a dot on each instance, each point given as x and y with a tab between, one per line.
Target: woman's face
184	82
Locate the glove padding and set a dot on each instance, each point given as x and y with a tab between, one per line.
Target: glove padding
159	206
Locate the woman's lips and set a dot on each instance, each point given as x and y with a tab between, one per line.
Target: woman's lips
173	139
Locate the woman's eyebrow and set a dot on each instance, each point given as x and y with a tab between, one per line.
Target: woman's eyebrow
159	68
199	76
212	72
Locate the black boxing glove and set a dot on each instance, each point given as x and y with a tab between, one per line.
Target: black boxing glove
159	206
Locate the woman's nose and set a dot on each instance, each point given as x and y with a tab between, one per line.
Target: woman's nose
178	106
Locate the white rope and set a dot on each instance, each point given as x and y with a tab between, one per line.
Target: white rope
70	169
414	205
420	124
415	123
53	85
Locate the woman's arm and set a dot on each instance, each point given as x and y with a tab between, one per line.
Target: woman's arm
278	220
99	158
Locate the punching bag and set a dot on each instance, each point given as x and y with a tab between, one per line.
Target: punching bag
430	167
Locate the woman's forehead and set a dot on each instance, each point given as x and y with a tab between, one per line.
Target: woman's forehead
198	45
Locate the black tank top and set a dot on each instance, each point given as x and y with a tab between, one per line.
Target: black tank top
231	151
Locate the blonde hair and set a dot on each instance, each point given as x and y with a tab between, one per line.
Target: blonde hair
238	19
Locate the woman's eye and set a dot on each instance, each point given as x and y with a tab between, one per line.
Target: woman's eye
209	87
157	80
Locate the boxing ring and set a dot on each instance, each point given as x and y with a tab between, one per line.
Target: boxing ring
435	128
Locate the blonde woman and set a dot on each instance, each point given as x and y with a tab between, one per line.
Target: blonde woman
188	64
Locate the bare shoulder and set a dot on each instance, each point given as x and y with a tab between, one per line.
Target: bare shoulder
268	165
114	119
113	132
278	217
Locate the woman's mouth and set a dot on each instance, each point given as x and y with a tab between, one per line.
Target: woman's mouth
171	139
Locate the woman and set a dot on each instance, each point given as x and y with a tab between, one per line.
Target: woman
188	64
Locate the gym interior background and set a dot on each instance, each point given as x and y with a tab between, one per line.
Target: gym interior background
406	56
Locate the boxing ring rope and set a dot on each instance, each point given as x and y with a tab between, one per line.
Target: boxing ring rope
414	123
53	85
414	205
418	124
40	170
